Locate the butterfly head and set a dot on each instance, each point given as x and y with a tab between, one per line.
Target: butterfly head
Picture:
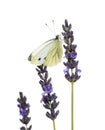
57	37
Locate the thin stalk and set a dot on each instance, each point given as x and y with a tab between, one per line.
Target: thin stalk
54	128
26	127
72	105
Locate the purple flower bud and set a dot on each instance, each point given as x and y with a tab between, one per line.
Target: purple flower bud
23	112
73	54
47	89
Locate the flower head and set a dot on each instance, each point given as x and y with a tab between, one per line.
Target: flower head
70	54
24	109
48	97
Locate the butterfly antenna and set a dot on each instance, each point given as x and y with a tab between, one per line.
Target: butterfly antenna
54	27
49	28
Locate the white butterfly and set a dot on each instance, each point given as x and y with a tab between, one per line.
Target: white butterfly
48	54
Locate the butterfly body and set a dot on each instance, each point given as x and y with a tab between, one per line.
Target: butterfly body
48	54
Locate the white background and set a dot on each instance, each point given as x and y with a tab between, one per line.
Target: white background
22	29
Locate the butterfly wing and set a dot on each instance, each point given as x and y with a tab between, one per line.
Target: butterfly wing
49	53
54	55
38	56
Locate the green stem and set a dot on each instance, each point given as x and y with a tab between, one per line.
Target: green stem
72	105
26	127
54	128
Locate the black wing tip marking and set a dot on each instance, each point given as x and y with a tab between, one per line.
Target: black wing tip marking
29	58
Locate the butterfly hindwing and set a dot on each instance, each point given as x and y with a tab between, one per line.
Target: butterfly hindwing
55	54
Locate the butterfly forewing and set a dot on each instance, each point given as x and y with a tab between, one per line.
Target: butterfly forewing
49	53
38	56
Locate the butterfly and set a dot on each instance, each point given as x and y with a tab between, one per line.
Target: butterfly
48	54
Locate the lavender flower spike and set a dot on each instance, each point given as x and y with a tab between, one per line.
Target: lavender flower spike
70	54
71	71
24	109
48	98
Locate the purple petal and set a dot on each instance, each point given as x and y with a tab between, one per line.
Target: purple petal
73	55
77	70
66	71
47	89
